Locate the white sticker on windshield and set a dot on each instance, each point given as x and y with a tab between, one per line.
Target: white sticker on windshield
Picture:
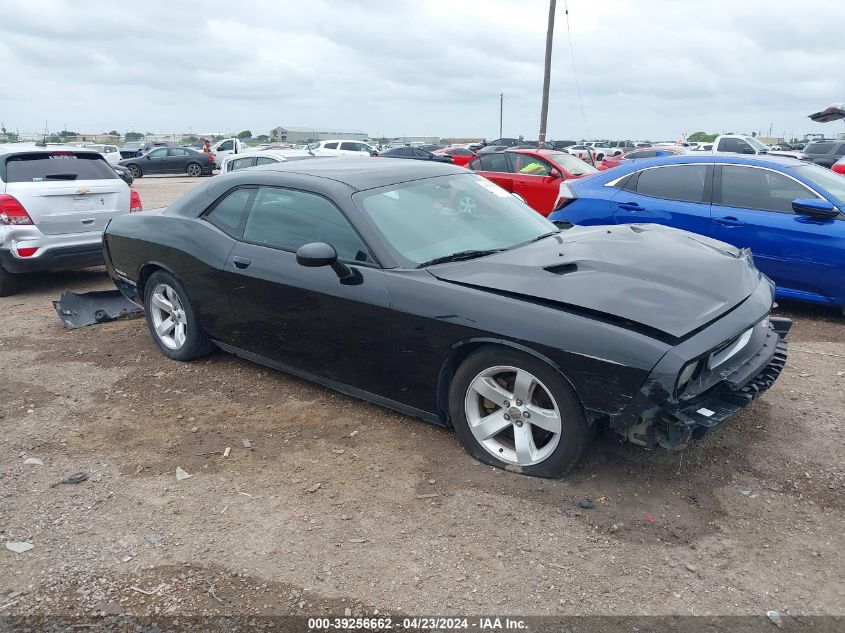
492	187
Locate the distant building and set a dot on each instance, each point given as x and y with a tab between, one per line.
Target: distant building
427	140
304	134
461	140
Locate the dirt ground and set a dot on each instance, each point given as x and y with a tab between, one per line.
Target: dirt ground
342	505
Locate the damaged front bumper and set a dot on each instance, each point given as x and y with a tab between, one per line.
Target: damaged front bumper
728	377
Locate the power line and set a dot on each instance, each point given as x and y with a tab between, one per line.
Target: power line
574	73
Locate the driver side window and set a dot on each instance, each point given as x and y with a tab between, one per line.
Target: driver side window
753	188
158	153
287	219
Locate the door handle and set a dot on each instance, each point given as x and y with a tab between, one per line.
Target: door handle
241	262
729	221
631	206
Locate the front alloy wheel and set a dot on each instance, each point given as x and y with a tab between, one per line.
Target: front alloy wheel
513	410
513	416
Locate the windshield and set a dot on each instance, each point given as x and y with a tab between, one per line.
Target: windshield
760	147
437	217
572	164
830	181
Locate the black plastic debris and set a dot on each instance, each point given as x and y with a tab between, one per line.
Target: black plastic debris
79	310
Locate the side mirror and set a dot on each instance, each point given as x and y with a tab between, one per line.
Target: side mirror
815	207
554	173
318	254
747	150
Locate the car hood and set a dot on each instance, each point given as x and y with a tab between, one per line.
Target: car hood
649	275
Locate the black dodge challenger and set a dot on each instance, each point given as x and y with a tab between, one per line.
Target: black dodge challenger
427	289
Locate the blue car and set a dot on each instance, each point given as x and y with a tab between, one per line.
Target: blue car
788	212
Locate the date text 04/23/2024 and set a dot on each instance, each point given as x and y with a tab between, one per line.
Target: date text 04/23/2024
415	623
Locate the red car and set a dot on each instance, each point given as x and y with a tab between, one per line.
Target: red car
460	155
532	175
839	166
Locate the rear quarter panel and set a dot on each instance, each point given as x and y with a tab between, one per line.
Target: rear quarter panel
191	249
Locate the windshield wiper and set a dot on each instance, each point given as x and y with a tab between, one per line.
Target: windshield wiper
543	236
460	256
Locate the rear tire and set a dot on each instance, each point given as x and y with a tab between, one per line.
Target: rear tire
135	171
541	431
171	319
8	283
194	170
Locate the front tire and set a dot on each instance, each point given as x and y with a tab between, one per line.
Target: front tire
171	319
513	411
8	283
135	171
194	170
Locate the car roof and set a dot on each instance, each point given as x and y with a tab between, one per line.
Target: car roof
32	148
762	160
366	173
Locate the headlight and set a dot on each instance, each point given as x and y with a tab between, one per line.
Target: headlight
686	375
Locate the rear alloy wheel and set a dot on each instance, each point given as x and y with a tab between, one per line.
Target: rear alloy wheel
8	283
135	171
194	170
171	319
513	411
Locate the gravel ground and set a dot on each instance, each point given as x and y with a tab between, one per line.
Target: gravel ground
338	504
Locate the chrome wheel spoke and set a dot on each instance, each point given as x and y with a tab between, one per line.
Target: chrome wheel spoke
491	390
546	419
490	425
523	386
165	326
179	334
159	301
524	445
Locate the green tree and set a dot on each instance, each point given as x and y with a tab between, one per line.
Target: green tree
262	137
134	136
114	133
244	134
701	137
187	140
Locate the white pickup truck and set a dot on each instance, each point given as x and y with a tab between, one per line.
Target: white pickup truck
228	146
739	144
743	144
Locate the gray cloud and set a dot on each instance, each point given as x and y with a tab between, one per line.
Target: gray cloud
647	69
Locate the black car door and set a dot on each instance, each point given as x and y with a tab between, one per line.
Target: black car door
177	160
154	162
305	318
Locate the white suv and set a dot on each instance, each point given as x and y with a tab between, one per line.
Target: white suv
54	204
339	147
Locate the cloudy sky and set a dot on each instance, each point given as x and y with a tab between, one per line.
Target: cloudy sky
650	69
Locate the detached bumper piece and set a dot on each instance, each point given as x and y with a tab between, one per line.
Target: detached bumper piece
735	392
89	308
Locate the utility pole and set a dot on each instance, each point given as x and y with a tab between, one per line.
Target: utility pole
501	107
544	109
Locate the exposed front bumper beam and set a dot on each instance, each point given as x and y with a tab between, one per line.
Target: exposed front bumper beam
672	424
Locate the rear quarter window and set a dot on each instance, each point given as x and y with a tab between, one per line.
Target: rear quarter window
55	167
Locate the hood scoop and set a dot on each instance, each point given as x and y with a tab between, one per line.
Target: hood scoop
562	269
